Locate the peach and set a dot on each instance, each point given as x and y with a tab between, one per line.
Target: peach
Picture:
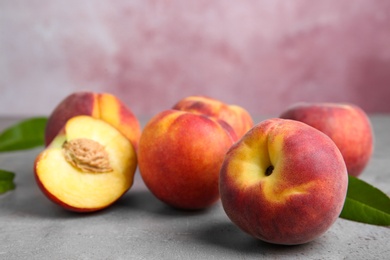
346	124
104	106
180	155
284	182
87	167
236	116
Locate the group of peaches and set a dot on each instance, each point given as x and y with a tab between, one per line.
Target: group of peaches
282	180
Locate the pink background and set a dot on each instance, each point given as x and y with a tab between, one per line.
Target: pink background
262	55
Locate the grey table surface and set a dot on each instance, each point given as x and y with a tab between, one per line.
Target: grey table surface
139	226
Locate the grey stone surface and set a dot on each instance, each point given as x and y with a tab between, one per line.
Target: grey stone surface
139	226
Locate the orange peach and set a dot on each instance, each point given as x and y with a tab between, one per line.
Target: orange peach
103	106
284	182
346	124
87	167
239	119
180	155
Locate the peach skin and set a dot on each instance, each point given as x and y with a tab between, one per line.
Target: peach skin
284	182
180	155
346	124
239	119
103	106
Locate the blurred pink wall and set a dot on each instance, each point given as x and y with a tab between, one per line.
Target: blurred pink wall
262	55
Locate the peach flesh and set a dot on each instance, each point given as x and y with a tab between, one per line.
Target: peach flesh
79	188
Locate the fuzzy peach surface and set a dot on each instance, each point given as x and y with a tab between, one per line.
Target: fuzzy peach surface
179	157
104	106
237	117
346	124
303	195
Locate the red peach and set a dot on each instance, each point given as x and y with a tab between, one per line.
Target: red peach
346	124
284	182
103	106
239	119
180	155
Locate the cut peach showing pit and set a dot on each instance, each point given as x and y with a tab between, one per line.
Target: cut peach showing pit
88	166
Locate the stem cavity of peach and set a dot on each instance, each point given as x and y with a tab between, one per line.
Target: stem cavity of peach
86	155
269	170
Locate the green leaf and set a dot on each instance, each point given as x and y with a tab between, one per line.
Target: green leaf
24	135
366	204
6	181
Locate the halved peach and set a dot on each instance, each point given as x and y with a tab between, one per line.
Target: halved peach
88	165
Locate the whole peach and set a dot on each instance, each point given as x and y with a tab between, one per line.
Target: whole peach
284	182
239	119
180	155
103	106
346	124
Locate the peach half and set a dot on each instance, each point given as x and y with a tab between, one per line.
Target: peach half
104	106
237	117
284	182
87	167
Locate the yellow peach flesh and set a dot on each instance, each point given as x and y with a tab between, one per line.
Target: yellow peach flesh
82	189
